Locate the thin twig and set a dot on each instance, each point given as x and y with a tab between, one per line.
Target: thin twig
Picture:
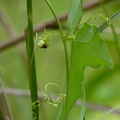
6	114
26	93
48	24
5	22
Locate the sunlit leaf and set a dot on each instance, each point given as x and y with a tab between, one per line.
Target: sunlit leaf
88	49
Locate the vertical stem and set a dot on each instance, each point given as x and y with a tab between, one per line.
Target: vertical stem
62	35
31	62
66	55
56	18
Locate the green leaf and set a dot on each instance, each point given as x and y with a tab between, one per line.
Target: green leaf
87	50
75	14
90	48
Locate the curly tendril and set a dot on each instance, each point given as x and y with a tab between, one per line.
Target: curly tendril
54	101
103	17
34	105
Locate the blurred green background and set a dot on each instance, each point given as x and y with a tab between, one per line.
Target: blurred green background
102	85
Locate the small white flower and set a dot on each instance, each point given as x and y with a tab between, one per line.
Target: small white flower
41	43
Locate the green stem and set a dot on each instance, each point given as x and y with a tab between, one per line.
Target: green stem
31	61
62	36
65	47
56	18
61	31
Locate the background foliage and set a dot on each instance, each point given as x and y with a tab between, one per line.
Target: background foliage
102	85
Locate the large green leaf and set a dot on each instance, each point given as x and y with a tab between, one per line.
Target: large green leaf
87	50
75	14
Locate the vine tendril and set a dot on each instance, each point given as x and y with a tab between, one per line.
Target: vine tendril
34	105
92	17
54	101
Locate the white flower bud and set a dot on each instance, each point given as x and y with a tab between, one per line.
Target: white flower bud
41	43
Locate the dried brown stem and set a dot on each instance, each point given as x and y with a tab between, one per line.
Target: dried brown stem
48	24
